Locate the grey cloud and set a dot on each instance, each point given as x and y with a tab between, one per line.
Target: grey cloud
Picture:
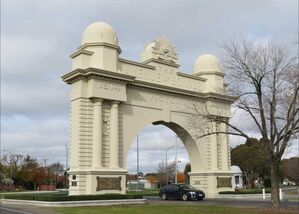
38	36
42	138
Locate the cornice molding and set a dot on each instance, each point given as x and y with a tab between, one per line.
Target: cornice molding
191	76
136	63
178	91
161	61
210	73
131	80
68	78
81	52
100	44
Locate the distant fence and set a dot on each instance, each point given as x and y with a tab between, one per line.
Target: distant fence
47	188
290	193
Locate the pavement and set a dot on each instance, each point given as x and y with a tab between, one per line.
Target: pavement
24	209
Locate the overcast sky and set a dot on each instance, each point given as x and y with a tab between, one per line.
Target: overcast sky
37	37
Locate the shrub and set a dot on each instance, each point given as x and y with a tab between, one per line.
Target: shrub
45	197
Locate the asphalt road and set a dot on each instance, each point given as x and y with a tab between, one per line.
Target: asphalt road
6	210
24	209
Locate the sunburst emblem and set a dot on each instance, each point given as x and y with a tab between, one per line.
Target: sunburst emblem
165	49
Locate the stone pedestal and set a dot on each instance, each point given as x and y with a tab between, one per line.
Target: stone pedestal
212	182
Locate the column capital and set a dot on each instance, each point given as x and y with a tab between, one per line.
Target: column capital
115	102
97	100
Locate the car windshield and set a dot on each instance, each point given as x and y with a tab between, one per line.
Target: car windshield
186	186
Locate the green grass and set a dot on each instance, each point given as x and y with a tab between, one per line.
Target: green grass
167	209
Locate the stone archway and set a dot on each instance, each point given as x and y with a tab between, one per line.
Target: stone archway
112	98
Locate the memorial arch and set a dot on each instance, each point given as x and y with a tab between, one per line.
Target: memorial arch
113	98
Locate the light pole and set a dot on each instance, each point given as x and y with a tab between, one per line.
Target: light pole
176	160
176	151
10	182
166	171
66	163
176	163
137	187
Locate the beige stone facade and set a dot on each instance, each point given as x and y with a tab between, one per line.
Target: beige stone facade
114	98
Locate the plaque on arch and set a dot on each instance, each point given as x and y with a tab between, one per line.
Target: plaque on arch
108	183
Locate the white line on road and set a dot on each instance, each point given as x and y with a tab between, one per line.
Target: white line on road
16	211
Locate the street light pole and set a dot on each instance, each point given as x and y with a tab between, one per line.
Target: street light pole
166	170
10	183
176	149
137	163
176	163
66	164
166	179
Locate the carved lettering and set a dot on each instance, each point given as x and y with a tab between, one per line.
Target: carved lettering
224	182
104	183
172	101
163	75
109	86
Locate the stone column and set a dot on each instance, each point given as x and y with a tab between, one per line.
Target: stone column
97	134
114	136
213	147
224	147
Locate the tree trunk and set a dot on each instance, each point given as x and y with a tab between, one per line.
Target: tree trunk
275	184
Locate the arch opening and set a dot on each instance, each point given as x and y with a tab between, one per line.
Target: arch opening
159	146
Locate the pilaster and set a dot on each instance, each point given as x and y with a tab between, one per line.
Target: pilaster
97	134
114	134
213	146
224	148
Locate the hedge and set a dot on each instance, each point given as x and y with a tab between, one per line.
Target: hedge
44	197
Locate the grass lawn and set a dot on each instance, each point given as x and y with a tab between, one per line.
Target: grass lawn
171	209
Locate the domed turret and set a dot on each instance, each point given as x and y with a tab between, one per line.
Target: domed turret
207	66
206	63
99	32
99	48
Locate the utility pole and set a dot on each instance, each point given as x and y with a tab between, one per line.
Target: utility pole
176	163
176	148
137	164
66	165
45	161
10	183
166	179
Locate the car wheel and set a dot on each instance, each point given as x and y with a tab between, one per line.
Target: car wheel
185	197
164	196
200	199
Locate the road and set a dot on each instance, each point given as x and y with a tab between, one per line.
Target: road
24	209
6	210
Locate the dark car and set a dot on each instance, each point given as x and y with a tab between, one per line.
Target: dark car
180	191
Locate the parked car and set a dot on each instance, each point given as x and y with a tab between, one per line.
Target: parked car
181	191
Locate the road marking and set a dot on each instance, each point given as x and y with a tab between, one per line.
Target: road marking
16	211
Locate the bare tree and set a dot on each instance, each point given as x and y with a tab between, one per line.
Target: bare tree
265	81
166	175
